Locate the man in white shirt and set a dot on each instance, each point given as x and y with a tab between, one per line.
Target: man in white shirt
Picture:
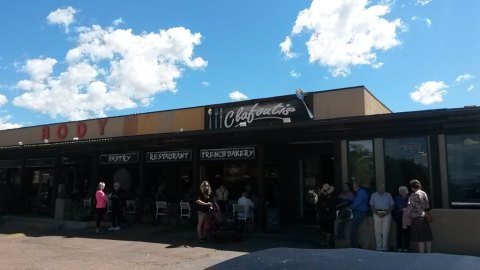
381	203
249	205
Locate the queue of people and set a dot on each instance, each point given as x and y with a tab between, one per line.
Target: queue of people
410	212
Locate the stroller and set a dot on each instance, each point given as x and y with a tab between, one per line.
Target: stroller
219	230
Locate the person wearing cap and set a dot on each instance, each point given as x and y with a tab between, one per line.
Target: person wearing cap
326	214
382	204
403	234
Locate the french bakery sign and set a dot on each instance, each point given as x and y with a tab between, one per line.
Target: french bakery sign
228	153
284	110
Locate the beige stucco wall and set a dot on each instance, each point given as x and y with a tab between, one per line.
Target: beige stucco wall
455	231
346	103
130	125
373	105
339	103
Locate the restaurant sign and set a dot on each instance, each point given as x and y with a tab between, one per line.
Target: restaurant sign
228	153
124	158
167	156
287	109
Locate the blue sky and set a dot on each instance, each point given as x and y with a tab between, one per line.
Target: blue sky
72	60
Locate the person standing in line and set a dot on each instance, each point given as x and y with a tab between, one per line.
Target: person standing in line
116	198
344	200
326	215
418	206
403	235
359	209
382	204
100	206
203	208
222	197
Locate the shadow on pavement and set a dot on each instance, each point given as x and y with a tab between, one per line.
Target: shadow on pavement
173	237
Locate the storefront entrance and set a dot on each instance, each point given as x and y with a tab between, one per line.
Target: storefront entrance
311	166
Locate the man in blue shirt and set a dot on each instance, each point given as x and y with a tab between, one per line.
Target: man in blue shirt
359	208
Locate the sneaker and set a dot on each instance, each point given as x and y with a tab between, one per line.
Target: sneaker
111	228
116	228
201	240
99	232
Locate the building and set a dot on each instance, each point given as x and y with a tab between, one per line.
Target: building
280	148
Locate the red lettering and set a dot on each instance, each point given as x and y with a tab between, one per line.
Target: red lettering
101	124
62	131
45	133
81	129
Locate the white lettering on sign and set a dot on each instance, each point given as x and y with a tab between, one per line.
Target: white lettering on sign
118	158
167	156
278	111
228	153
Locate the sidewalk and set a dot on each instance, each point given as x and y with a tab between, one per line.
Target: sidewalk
31	243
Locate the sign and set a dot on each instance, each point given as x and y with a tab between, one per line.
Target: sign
14	163
39	162
124	158
282	110
227	153
61	131
167	156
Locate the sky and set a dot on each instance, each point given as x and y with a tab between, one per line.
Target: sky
74	60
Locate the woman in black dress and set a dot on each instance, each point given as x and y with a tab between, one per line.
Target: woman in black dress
203	207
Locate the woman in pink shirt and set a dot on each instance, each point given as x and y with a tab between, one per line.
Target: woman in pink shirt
101	206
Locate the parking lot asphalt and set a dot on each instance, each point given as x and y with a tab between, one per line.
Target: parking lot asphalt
133	247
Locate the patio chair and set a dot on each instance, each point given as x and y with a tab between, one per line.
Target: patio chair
131	207
87	204
185	210
241	212
161	209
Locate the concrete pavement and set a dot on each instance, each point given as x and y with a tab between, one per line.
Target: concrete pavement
134	247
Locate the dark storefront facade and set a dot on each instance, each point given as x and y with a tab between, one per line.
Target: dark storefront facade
281	148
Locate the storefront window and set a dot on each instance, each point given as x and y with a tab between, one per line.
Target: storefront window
463	158
406	159
361	162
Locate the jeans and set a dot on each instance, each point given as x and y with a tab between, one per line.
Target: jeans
358	217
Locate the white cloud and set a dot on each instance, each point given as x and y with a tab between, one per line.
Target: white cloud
205	84
39	69
295	74
346	33
464	77
5	124
63	16
427	21
117	22
237	96
423	2
109	69
471	87
3	100
429	92
286	46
